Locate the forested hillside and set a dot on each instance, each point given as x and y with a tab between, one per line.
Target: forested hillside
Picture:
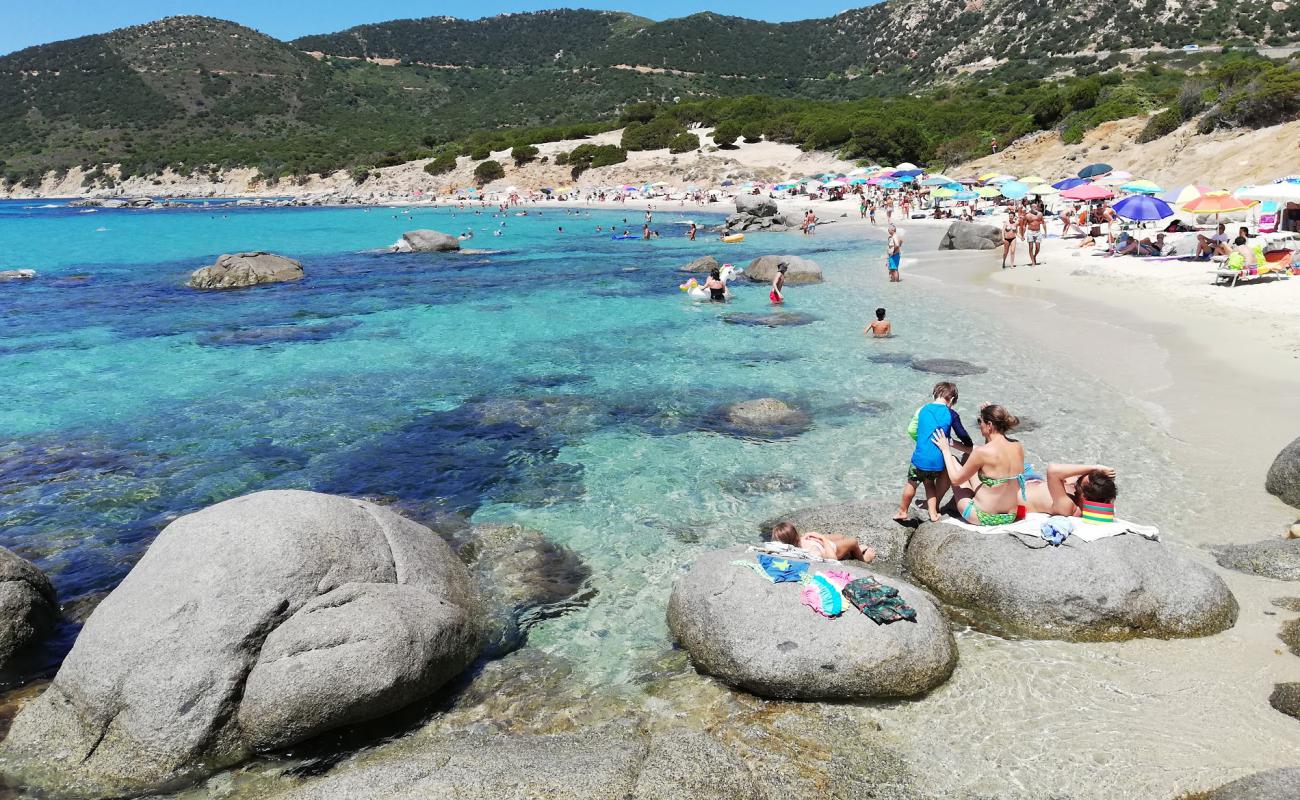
199	94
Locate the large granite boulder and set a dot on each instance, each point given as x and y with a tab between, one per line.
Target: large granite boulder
1116	588
426	241
525	578
704	265
759	636
28	605
755	205
971	236
250	625
1271	558
871	523
1283	479
1286	698
246	269
799	270
765	417
1274	784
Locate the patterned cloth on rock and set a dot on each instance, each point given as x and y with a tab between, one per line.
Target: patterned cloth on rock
878	601
821	593
775	569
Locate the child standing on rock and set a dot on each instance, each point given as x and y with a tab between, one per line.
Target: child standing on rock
927	465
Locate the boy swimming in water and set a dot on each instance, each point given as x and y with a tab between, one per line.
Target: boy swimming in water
881	327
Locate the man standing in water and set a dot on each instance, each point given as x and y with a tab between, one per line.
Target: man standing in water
777	296
895	249
1032	231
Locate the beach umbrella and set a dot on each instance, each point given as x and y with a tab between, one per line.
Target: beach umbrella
984	176
1000	179
1094	170
988	192
943	193
905	178
1088	191
858	171
1043	190
1183	194
1282	192
1116	178
937	180
908	173
906	165
890	183
1216	203
1014	190
1032	180
965	194
1068	183
1142	187
1143	208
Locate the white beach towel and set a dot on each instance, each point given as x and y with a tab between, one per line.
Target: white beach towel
790	551
1032	524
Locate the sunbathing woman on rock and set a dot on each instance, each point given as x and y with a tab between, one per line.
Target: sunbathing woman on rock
986	489
1068	486
830	546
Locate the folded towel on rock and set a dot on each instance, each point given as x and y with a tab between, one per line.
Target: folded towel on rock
1032	525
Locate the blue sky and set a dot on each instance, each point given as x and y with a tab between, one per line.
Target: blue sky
27	22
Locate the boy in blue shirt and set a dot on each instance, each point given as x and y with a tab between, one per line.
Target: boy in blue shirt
927	464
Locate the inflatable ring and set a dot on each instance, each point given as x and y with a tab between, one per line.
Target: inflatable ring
733	238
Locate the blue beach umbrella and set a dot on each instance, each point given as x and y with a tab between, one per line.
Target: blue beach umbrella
1093	170
965	194
1014	190
890	184
909	173
905	178
1068	183
1142	208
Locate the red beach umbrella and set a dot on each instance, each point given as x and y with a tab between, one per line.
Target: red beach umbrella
1088	192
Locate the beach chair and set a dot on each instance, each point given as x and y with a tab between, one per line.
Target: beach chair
1276	264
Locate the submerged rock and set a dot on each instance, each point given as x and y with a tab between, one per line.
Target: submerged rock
246	269
1283	479
1116	588
771	319
704	264
1275	784
274	334
525	578
798	270
426	241
758	484
891	358
758	636
28	605
947	366
971	236
251	625
1271	558
871	523
765	417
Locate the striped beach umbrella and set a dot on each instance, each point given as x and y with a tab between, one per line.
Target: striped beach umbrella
1216	203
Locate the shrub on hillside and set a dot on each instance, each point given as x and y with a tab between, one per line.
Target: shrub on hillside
1162	124
441	165
652	135
488	171
585	156
684	143
523	153
726	134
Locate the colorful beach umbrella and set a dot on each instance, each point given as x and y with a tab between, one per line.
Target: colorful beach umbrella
964	195
937	180
943	193
1043	190
1088	192
1142	187
1014	190
984	176
988	192
999	179
1143	208
1032	180
1216	203
1094	170
1068	183
1183	194
1116	178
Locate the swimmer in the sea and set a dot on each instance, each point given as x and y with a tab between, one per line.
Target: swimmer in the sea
881	327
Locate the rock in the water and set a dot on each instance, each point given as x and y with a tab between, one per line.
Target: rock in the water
253	624
765	417
950	367
798	270
1275	784
1283	479
1286	698
771	319
891	358
1290	636
870	523
1116	588
275	334
751	485
28	605
704	264
17	275
525	578
756	205
246	269
971	236
1271	558
757	636
426	241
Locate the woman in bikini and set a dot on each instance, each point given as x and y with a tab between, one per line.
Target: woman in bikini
1010	230
987	490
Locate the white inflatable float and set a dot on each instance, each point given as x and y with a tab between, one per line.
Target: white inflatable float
696	291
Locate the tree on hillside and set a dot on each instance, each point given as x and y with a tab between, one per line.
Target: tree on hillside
523	153
488	171
441	165
726	134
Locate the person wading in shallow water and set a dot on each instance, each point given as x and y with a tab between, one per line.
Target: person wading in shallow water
777	295
881	327
895	249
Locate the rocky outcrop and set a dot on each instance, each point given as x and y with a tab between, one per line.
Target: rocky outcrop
950	367
1286	698
28	605
758	636
17	275
704	264
1283	479
755	205
1271	558
251	625
1117	588
971	236
798	270
871	523
770	319
525	578
426	241
246	269
1275	784
765	417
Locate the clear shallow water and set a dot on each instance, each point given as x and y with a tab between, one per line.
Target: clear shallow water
563	382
